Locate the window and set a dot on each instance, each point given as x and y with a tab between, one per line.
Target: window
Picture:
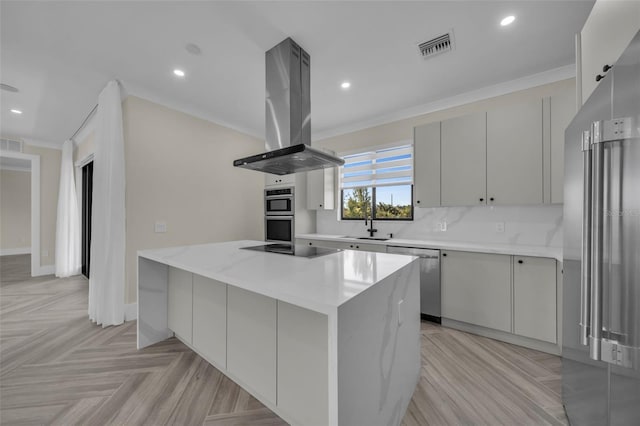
378	183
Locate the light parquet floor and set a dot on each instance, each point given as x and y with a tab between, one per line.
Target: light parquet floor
56	367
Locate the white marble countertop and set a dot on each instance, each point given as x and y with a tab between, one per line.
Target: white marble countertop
320	283
513	249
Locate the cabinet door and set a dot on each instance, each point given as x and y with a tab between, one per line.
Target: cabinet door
563	109
251	341
534	295
514	154
180	303
303	376
426	165
463	160
476	288
320	189
608	30
210	319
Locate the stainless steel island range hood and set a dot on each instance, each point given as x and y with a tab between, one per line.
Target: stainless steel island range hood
288	116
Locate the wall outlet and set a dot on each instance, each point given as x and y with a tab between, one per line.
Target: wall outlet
443	225
160	227
400	312
500	227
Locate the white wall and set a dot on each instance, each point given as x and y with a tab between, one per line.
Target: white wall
534	225
179	169
49	185
15	211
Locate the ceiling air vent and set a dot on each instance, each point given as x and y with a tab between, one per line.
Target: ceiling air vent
437	45
10	145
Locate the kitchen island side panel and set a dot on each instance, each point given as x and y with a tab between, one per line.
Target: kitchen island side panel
379	350
153	279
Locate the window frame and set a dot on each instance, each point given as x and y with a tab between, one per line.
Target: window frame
373	201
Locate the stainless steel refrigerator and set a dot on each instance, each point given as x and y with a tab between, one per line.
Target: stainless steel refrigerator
601	285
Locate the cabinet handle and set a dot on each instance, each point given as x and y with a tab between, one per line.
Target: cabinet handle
351	246
444	254
521	261
357	246
606	68
320	205
418	202
491	199
310	244
599	77
481	199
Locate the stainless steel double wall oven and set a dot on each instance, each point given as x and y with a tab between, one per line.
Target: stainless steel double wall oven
279	214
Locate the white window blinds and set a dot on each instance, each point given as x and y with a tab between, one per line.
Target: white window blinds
379	167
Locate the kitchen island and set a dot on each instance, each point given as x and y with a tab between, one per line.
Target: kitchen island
326	340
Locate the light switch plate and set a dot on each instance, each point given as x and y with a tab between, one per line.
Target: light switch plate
160	227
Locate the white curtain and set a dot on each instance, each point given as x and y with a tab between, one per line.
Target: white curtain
68	222
107	277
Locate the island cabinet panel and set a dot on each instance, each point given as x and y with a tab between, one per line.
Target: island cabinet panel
251	341
464	160
476	288
303	374
180	303
426	146
534	295
210	319
514	154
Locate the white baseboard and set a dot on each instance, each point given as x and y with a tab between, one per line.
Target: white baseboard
12	251
130	311
47	270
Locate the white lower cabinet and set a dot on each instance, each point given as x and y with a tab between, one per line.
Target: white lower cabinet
476	288
210	319
534	297
303	391
380	248
251	341
180	303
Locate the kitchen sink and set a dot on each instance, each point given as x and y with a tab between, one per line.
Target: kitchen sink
369	238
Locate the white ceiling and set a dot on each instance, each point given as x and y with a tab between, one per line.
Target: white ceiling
61	54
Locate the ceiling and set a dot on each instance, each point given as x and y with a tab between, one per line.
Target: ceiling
61	54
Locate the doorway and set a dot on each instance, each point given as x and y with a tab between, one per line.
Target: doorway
87	195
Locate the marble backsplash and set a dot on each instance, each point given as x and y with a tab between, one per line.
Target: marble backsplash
523	225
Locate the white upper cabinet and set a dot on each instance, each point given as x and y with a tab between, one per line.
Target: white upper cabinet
607	32
426	148
463	160
320	195
514	154
562	110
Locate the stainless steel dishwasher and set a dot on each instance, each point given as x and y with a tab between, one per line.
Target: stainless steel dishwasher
429	279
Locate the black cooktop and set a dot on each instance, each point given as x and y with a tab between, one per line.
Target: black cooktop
293	250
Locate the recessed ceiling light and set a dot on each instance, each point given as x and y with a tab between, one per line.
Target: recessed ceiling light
507	20
15	111
178	72
345	85
193	48
8	88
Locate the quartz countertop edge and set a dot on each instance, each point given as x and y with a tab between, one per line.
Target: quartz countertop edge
494	248
320	284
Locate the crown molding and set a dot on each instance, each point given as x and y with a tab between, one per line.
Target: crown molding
528	82
42	144
130	89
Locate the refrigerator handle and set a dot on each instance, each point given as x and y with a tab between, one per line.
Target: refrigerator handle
585	272
597	230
